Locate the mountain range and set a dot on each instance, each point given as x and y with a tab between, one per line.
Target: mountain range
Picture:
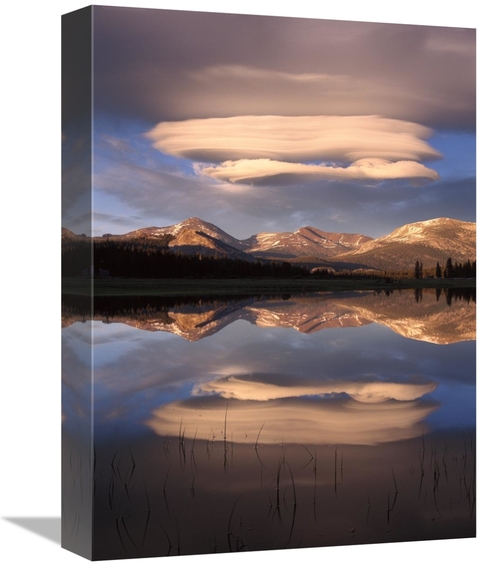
428	242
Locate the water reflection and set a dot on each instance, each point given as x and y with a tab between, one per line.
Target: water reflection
437	316
303	421
361	406
257	349
264	387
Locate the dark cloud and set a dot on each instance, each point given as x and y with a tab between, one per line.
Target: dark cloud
172	65
154	66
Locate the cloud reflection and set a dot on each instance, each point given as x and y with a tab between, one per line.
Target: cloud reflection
265	388
293	409
301	421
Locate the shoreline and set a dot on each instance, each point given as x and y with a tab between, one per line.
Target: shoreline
103	287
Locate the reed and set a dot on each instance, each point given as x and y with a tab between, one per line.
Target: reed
128	480
464	457
210	443
278	475
444	462
148	517
232	449
294	513
111	491
395	490
225	438
258	436
193	460
422	471
182	448
178	537
256	448
335	474
473	485
168	538
165	492
394	480
315	472
120	538
116	469
165	447
133	467
127	532
269	509
75	527
229	528
311	459
94	468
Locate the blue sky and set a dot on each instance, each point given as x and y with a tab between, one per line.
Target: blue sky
270	124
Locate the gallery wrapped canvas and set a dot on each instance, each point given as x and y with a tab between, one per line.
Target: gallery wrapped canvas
269	283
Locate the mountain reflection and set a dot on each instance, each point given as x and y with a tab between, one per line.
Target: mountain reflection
431	316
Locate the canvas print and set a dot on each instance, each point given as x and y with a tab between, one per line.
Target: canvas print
269	283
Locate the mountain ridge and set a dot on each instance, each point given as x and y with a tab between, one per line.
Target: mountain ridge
428	241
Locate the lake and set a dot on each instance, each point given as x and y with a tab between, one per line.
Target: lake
270	422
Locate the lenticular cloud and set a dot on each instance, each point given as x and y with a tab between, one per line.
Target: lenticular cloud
246	149
251	170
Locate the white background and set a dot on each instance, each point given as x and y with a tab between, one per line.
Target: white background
30	287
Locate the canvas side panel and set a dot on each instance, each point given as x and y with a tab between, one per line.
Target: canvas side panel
77	443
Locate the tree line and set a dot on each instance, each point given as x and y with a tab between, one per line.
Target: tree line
450	270
145	259
132	259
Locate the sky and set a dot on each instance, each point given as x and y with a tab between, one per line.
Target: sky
266	124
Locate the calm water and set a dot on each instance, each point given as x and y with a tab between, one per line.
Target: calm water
267	423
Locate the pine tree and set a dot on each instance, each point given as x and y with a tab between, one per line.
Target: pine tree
439	273
418	270
448	270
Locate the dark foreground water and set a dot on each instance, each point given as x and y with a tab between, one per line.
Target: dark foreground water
267	423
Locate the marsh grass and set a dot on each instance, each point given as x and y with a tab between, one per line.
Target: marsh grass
182	446
167	537
193	459
229	525
165	492
335	477
225	438
256	446
294	512
208	503
148	517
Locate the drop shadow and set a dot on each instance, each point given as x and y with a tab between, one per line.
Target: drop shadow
46	527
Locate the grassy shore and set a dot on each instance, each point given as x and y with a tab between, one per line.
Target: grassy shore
199	287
